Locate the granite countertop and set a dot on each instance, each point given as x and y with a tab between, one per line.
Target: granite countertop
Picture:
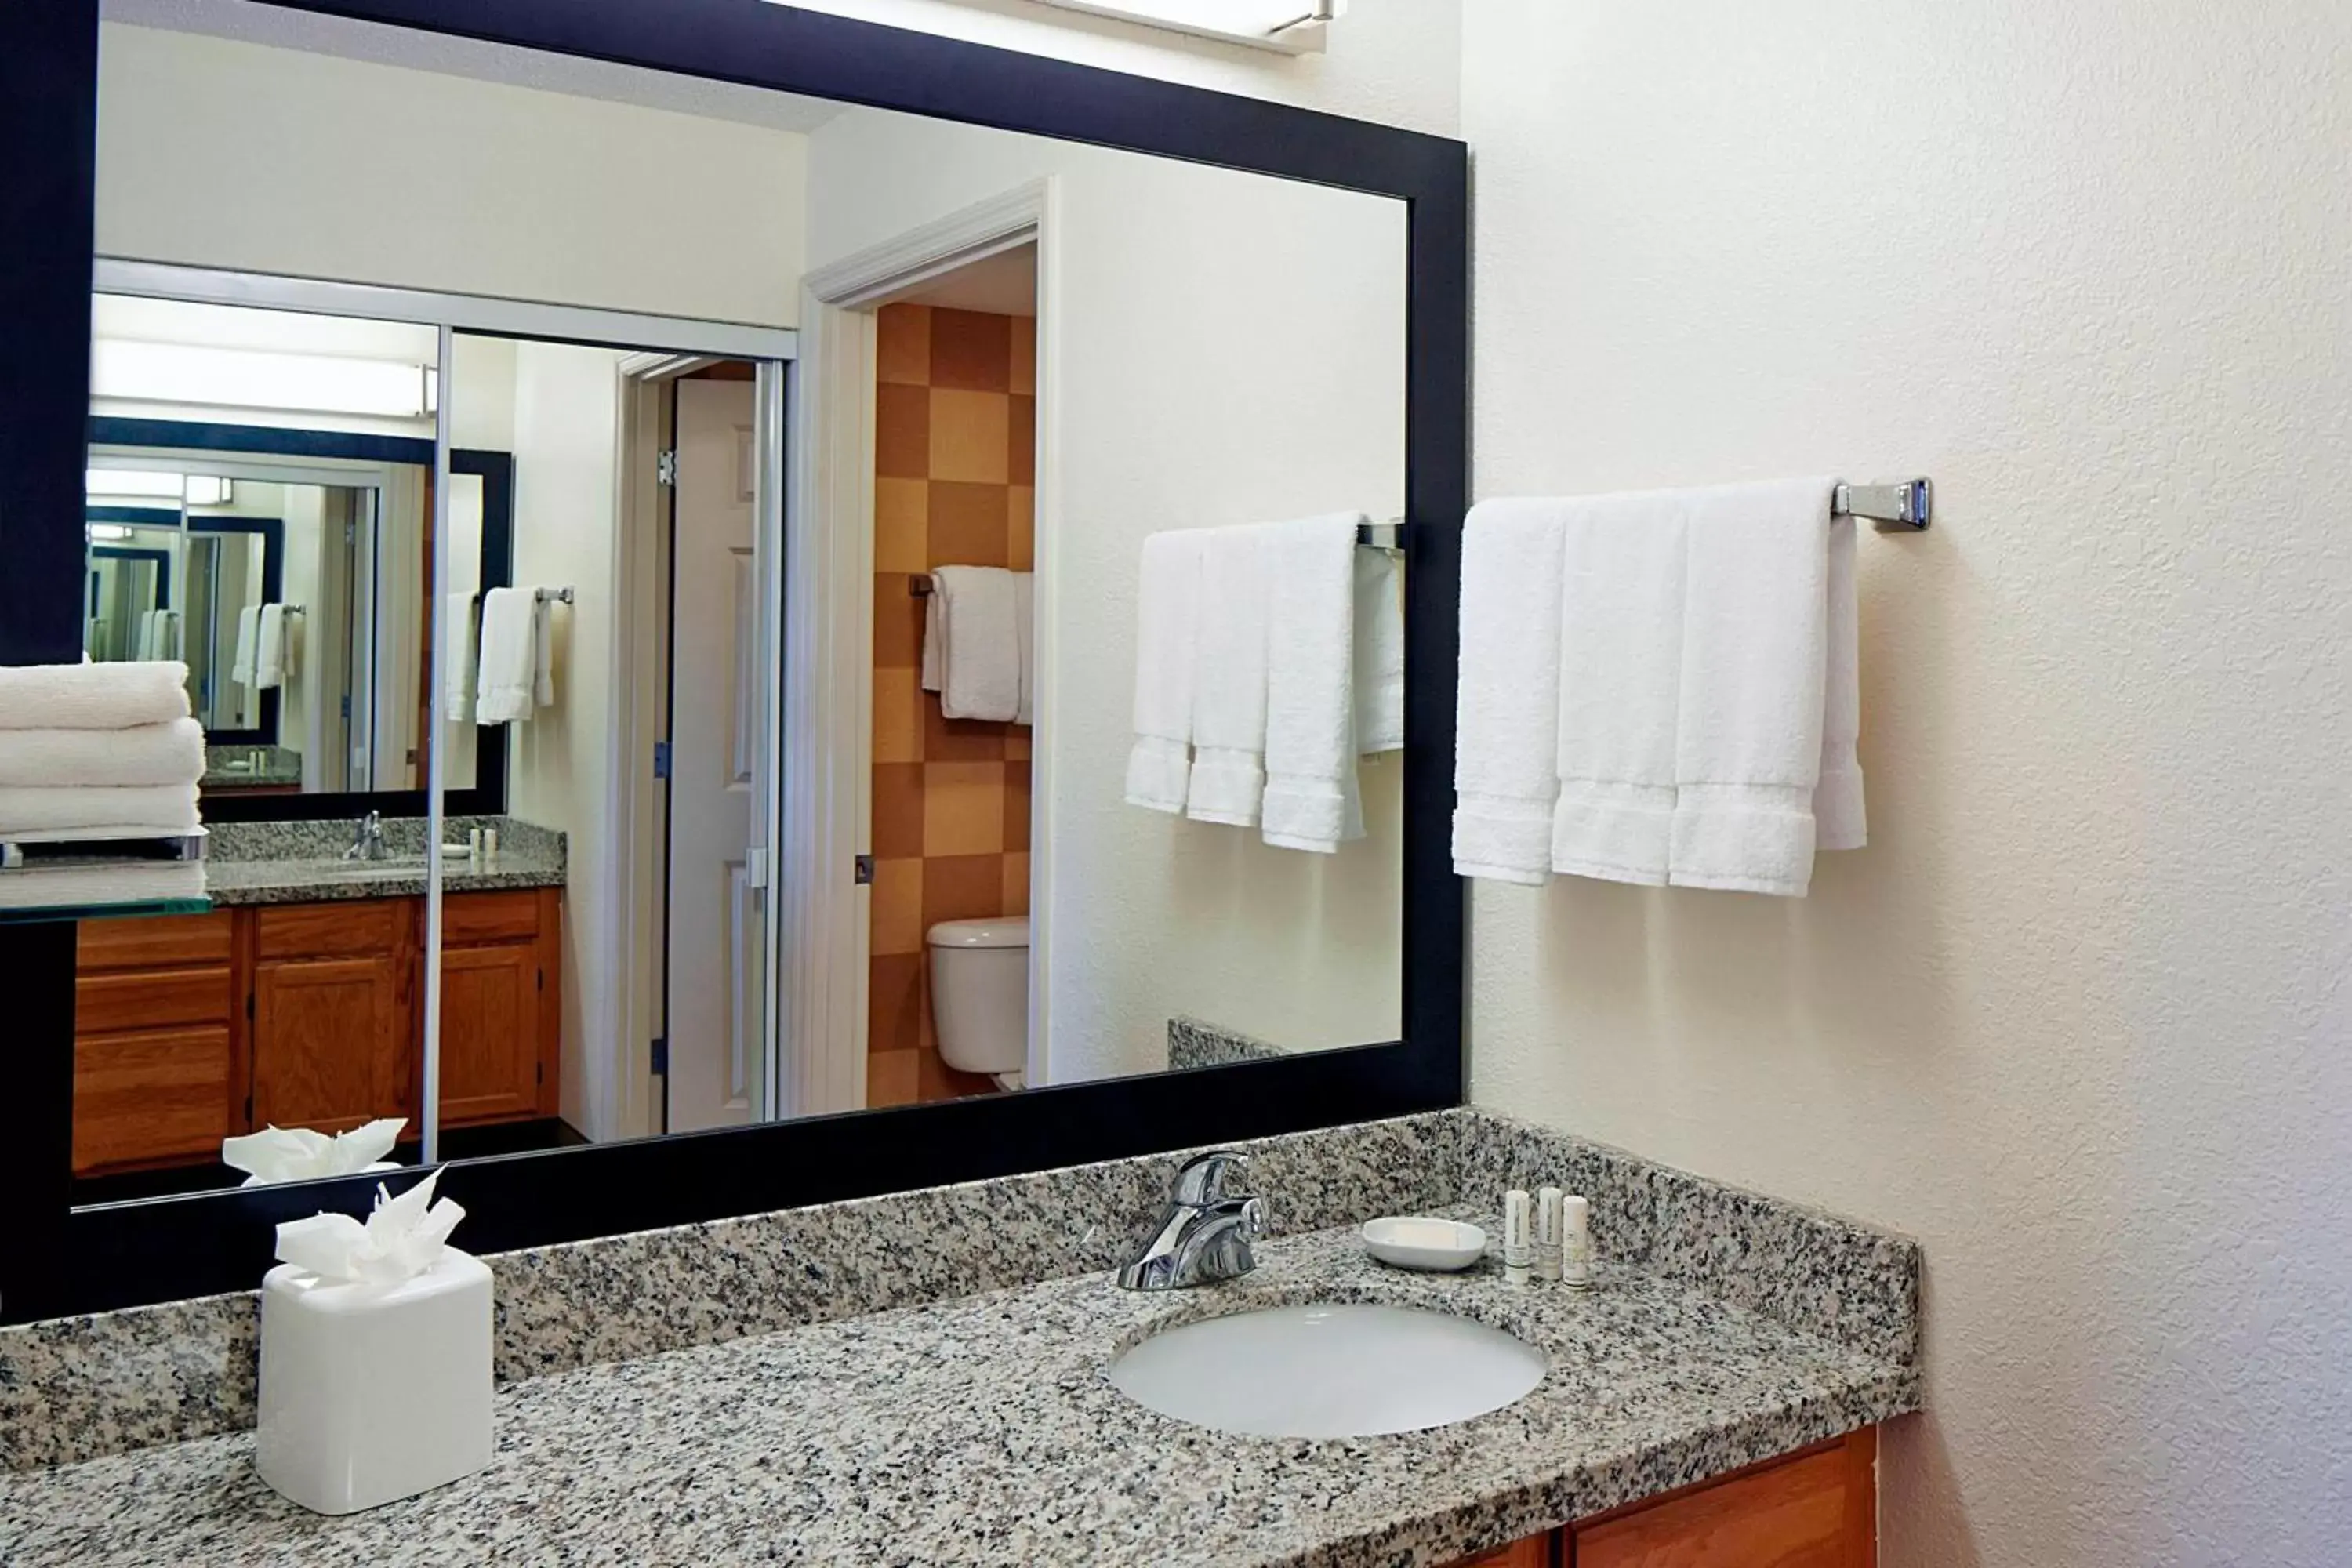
982	1430
314	881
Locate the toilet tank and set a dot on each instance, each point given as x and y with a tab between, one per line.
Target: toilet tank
979	992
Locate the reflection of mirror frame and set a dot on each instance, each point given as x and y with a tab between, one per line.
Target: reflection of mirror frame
496	469
67	1260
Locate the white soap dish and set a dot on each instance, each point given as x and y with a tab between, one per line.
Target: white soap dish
1431	1246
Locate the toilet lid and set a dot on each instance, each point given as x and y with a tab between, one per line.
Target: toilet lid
1011	930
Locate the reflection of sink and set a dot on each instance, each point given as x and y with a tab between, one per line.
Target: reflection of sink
1328	1371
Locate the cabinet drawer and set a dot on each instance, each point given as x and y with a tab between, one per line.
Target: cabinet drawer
366	927
170	941
148	999
469	920
160	1095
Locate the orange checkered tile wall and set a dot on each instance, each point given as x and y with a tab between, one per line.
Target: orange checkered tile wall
955	425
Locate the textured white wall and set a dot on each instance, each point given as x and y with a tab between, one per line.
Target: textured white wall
216	152
2077	1018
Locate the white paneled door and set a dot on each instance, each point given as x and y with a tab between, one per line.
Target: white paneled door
717	943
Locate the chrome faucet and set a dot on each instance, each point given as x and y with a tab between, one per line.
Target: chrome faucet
368	845
1204	1235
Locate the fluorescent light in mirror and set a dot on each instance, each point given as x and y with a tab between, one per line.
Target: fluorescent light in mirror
148	484
109	530
244	378
1291	26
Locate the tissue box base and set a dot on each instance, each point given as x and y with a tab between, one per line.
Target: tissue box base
372	1393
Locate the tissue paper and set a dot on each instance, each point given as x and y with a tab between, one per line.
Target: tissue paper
298	1154
403	1237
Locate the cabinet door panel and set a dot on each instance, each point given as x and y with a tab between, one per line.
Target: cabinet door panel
1535	1552
1817	1510
160	1095
330	1043
489	1032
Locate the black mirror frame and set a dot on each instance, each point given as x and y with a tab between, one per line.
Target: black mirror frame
64	1260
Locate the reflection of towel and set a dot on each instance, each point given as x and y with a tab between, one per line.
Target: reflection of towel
974	621
1228	783
273	656
169	753
513	644
248	639
1379	652
457	657
1167	629
91	696
62	811
1311	799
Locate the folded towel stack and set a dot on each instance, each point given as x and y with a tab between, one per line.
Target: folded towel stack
94	751
1269	658
1659	687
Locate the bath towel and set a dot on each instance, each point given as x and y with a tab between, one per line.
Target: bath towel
167	753
1506	710
1167	632
92	696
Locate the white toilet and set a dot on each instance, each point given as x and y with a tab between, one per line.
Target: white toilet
980	996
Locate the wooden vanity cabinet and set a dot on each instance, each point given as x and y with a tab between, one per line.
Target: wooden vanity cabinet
1817	1508
193	1028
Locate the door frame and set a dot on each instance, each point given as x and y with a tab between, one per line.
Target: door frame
829	619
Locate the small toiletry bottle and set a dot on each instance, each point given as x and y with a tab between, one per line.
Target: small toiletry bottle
490	844
474	845
1576	1244
1548	1233
1516	1249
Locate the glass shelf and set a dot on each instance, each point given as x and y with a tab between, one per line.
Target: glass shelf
105	912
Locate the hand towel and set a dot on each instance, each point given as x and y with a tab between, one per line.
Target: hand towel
1229	668
1507	708
105	882
127	811
460	656
1840	821
1167	635
507	683
167	753
1311	801
1755	653
1024	642
977	618
273	658
92	696
1621	590
1380	651
248	645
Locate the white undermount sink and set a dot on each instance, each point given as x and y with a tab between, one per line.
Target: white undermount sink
1328	1371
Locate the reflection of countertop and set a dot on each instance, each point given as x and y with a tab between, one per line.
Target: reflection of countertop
982	1430
229	882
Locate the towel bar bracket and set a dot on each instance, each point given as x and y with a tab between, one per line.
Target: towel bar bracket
1899	506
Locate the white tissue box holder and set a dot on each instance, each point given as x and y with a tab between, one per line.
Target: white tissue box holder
374	1393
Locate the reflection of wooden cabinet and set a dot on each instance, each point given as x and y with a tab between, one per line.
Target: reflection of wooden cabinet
1817	1508
191	1029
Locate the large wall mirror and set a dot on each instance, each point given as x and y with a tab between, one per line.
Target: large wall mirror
740	618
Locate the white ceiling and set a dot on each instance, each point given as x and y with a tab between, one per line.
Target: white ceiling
1005	283
482	62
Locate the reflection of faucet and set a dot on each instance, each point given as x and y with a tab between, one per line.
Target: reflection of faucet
368	845
1203	1235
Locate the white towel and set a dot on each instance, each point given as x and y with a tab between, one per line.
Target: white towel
1311	799
1507	708
249	645
1840	821
130	811
1024	638
91	696
458	656
507	685
168	753
1621	638
108	882
974	621
273	654
1380	651
1754	664
1167	633
1229	667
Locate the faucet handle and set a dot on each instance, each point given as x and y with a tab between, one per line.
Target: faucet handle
1201	1180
